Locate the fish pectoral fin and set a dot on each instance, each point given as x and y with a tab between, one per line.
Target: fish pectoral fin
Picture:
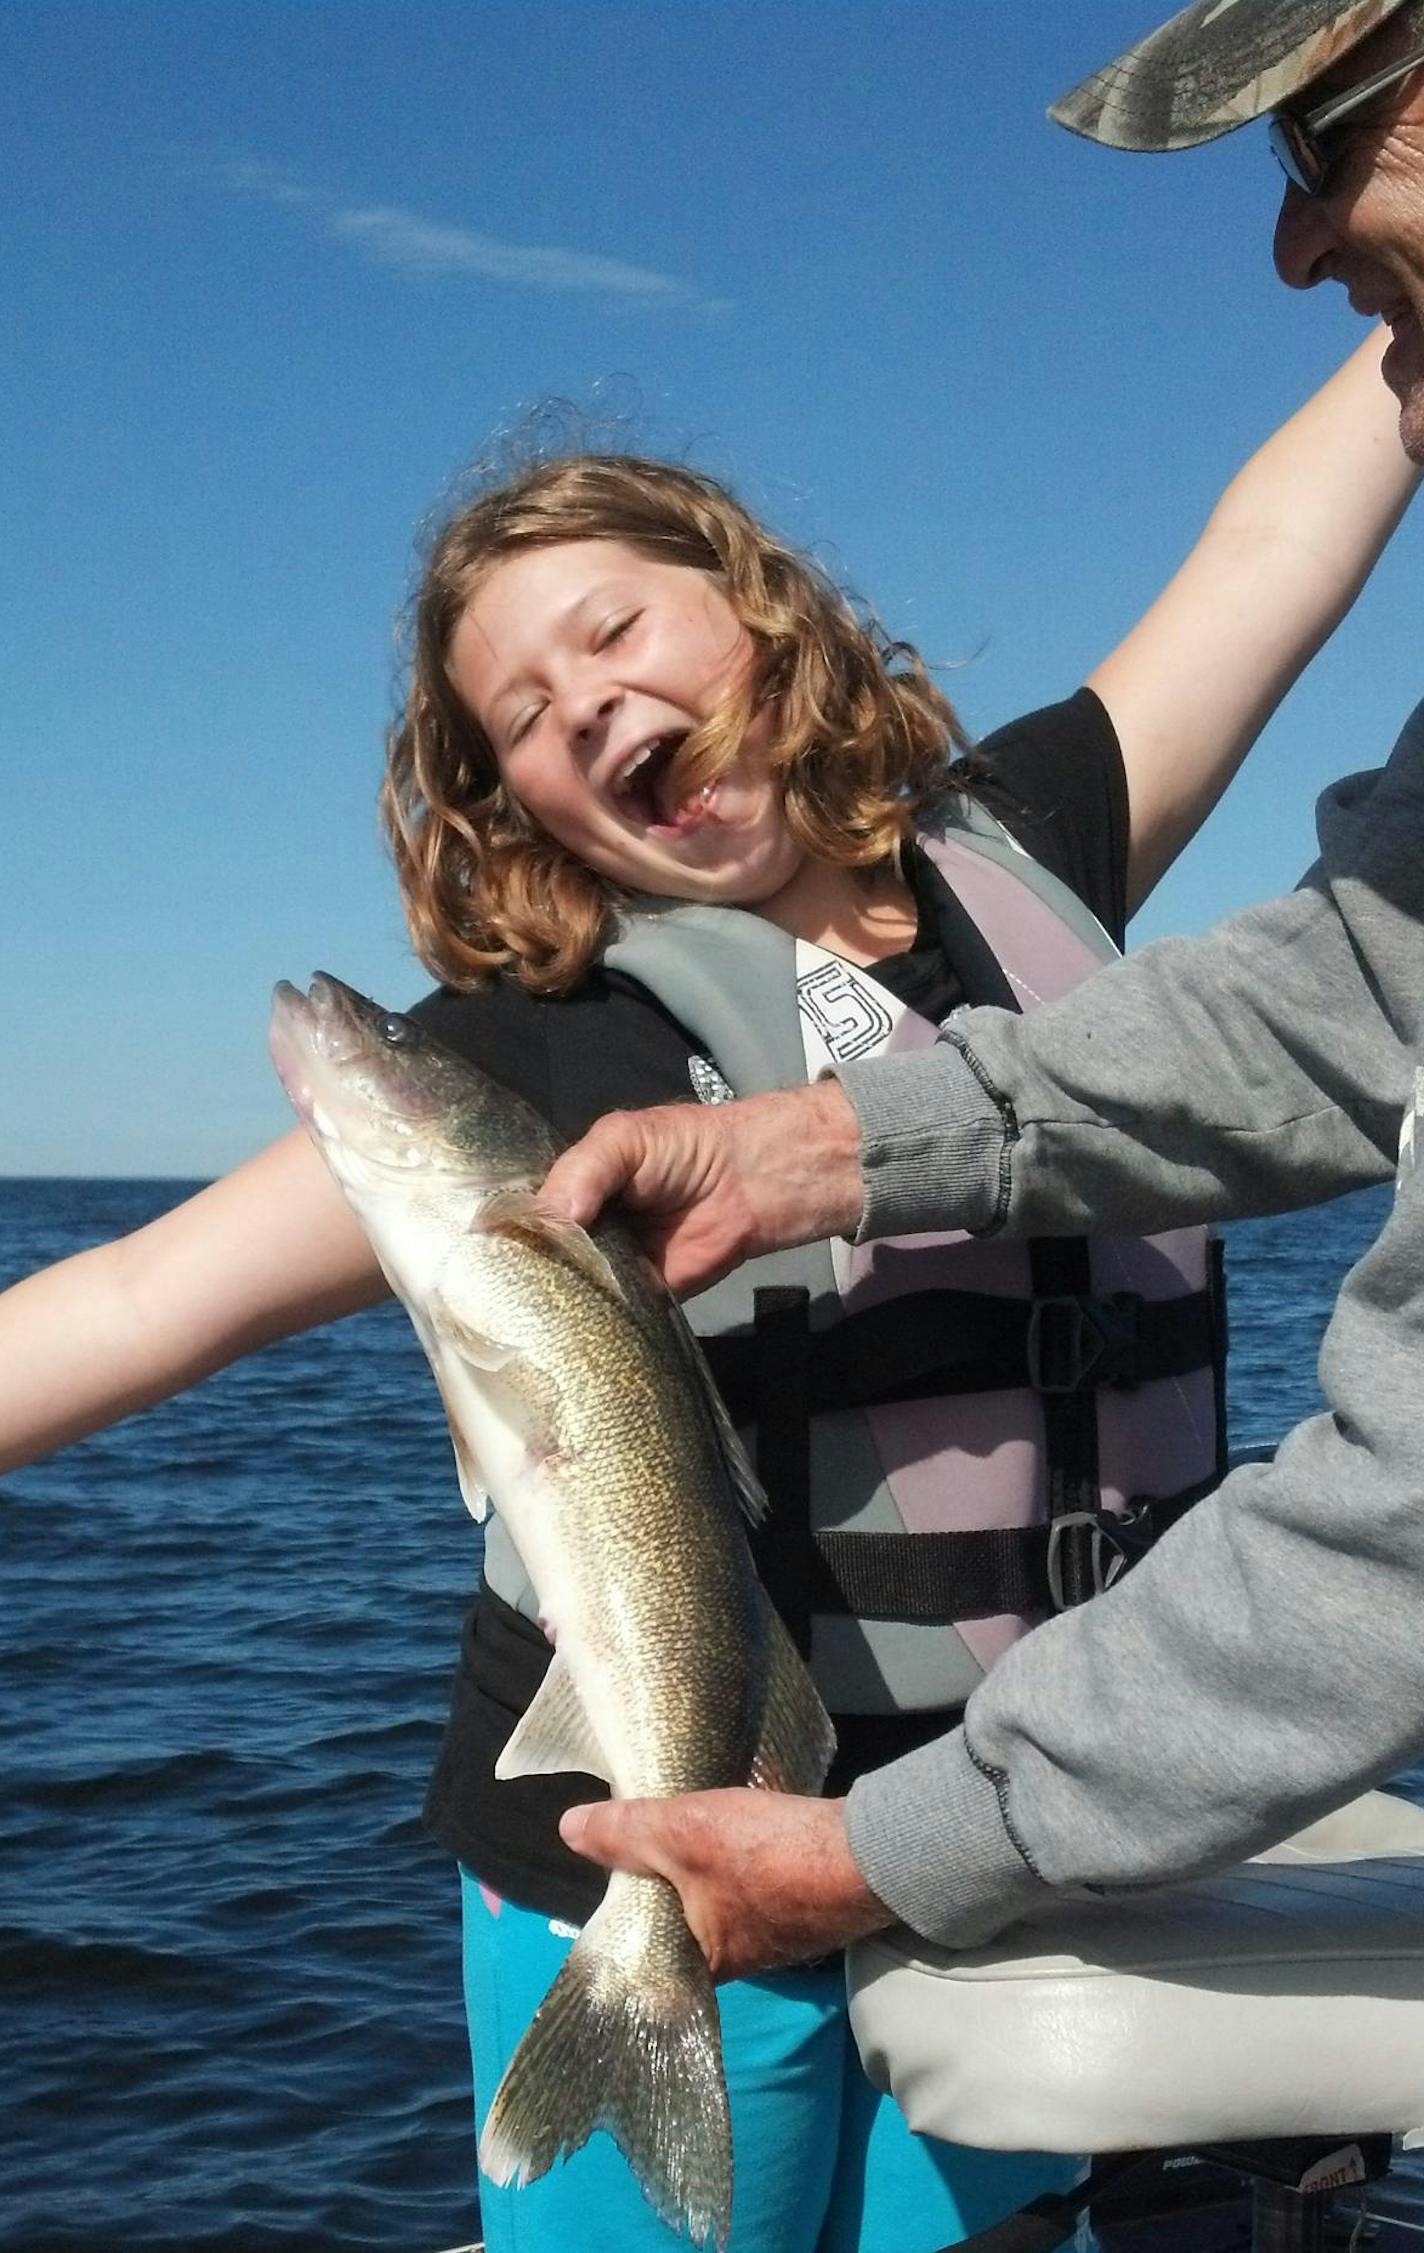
513	1212
797	1735
480	1348
474	1486
449	1340
746	1485
555	1735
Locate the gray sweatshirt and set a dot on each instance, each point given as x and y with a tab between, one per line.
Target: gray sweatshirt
1266	1660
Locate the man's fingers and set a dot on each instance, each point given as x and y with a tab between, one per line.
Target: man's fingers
652	1836
581	1181
608	1832
579	1828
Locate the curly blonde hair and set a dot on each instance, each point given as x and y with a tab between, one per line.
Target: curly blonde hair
863	738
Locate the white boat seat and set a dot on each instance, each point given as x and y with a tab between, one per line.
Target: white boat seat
1282	1998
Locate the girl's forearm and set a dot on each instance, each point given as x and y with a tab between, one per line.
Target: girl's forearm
71	1360
1283	555
268	1250
1332	482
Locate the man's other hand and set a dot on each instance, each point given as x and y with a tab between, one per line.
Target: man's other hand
766	1879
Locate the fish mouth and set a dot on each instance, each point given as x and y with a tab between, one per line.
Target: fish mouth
322	1029
331	1016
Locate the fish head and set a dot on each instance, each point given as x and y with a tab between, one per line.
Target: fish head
388	1105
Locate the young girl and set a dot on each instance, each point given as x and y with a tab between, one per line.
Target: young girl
671	820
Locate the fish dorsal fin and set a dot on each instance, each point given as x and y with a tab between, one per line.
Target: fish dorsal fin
555	1734
747	1486
797	1736
513	1212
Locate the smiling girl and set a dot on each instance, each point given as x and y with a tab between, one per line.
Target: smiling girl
671	818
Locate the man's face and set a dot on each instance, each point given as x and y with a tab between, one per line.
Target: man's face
1365	229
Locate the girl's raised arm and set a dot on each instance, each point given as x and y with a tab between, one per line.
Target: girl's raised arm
1284	554
268	1250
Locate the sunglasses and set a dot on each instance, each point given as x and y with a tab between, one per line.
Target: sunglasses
1298	143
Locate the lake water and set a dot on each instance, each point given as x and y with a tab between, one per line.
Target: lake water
229	1957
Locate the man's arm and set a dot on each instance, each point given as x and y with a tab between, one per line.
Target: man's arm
1245	1072
1254	1070
1263	1664
1258	1069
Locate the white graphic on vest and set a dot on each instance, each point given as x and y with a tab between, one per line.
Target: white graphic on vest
1409	1132
844	1009
708	1084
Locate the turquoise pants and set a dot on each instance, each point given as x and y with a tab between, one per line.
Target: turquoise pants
824	2164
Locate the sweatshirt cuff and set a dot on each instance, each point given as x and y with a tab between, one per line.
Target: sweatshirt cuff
927	1834
934	1143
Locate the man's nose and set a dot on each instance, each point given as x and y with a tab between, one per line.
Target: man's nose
1303	240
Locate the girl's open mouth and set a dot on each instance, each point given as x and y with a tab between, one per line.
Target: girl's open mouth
642	790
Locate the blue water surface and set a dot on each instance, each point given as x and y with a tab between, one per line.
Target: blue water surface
229	1956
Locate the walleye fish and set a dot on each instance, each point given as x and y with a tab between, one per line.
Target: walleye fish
580	1404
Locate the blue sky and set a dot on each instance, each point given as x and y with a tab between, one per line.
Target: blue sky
272	275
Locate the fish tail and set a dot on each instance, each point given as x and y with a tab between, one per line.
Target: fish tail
627	2039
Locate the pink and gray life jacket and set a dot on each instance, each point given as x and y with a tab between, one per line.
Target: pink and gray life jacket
958	1435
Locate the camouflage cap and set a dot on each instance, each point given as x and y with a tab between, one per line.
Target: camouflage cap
1213	67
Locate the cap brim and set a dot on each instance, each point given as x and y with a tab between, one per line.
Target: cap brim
1215	66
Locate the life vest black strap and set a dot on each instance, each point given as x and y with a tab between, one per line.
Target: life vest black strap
1062	1343
1062	1274
982	1573
781	1418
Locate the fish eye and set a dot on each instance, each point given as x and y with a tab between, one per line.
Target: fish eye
397	1032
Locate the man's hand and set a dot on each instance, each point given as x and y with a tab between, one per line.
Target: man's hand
765	1879
710	1185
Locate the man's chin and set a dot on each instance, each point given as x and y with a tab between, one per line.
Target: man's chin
1411	423
1403	370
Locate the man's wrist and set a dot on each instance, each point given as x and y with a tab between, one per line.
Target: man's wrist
928	1833
859	1905
932	1143
832	1150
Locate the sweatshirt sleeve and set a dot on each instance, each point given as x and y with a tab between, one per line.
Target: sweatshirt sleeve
1261	1665
1257	1069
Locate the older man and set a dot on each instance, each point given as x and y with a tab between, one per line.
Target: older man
1268	1661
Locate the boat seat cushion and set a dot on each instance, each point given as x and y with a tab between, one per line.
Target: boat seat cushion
1281	1998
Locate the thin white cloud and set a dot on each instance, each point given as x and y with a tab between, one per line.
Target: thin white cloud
406	243
399	238
254	176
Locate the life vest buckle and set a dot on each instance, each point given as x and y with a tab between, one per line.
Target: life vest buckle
1089	1549
1074	1340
